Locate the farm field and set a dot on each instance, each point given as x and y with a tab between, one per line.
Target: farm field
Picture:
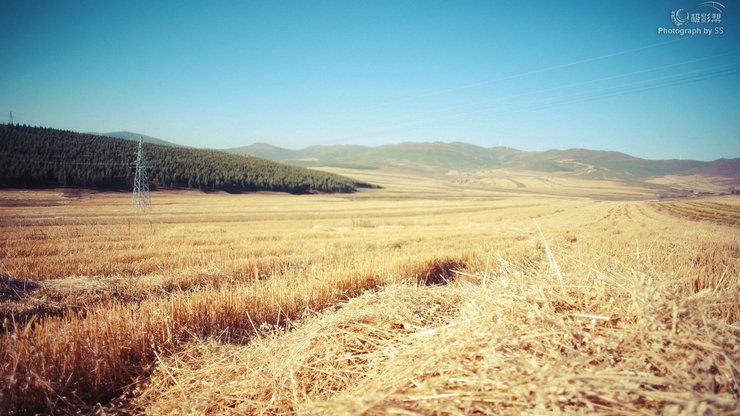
454	295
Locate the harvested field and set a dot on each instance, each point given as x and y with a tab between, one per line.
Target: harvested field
412	298
717	210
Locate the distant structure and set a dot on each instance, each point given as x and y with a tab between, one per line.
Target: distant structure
141	181
11	119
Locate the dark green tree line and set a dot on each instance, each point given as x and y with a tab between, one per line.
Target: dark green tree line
44	157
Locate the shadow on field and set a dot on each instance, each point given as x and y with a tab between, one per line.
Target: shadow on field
439	271
15	289
12	292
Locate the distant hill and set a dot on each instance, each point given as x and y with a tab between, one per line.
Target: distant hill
409	155
44	157
463	156
265	151
135	136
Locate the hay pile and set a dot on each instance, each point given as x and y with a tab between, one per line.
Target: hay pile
516	340
323	355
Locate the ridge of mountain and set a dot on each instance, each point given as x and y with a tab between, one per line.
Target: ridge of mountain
128	135
464	156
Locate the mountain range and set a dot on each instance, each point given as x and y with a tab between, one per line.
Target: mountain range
437	156
440	157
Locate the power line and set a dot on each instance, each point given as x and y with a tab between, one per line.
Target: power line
55	160
607	78
141	198
640	88
588	95
86	163
447	109
583	96
608	92
525	73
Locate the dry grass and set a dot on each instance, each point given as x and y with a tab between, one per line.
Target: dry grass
645	301
511	343
87	356
324	354
717	210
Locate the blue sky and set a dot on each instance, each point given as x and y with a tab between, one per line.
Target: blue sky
530	75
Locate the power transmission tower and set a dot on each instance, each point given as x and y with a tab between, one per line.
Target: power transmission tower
11	119
141	181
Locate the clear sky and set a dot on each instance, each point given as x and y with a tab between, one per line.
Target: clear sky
532	75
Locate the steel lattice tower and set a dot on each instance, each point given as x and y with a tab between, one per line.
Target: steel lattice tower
141	181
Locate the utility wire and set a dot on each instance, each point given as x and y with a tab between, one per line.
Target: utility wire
590	95
526	73
63	162
624	89
562	86
536	71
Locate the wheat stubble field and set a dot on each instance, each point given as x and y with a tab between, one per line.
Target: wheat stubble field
424	297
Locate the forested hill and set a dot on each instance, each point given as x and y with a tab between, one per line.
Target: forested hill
44	157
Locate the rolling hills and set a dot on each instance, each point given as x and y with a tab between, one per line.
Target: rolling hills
463	156
35	157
